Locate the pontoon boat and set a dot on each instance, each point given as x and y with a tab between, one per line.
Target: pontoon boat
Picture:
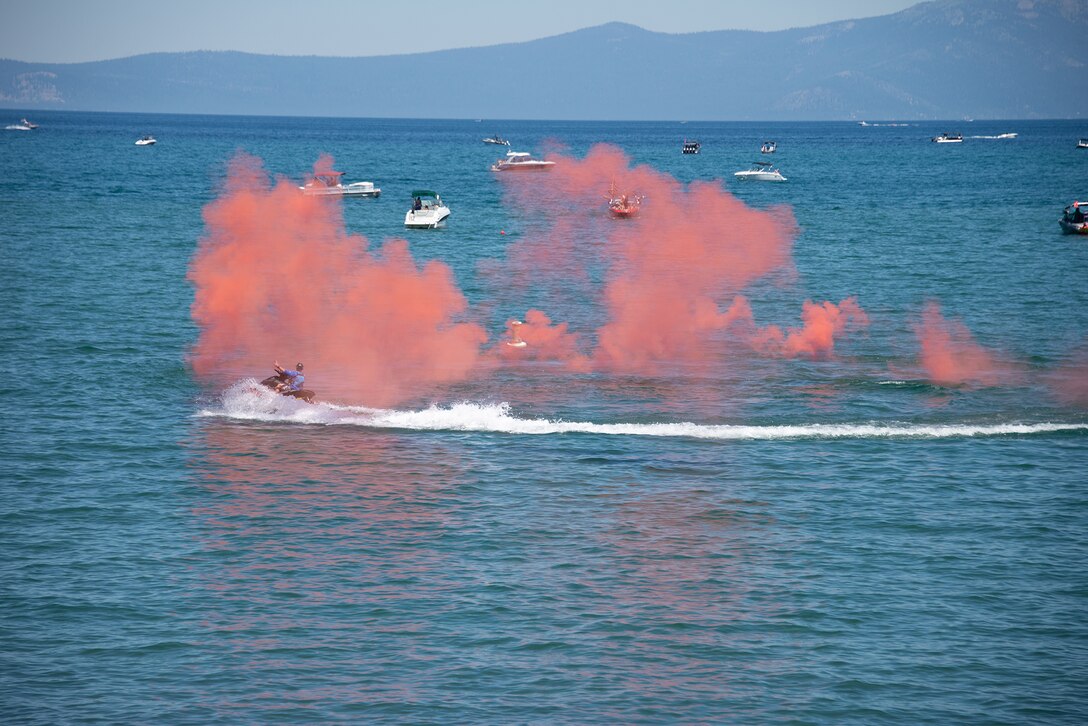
327	184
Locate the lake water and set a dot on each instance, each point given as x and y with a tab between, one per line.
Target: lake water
832	539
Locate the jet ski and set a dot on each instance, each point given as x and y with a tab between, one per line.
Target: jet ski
280	383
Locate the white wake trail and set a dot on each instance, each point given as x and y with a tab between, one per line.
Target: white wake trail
249	401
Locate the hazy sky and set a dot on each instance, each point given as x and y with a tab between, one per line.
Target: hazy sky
69	31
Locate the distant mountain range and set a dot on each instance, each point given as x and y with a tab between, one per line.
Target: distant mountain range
946	59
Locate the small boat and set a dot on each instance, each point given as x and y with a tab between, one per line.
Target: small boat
327	184
496	139
428	210
769	147
761	171
1072	221
1082	143
623	206
947	138
690	147
521	161
146	141
515	339
27	124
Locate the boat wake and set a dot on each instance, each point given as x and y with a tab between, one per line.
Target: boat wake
249	401
999	136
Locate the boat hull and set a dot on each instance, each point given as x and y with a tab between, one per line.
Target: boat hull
523	166
624	212
1073	227
358	189
767	176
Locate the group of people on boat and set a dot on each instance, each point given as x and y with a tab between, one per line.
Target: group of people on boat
1072	221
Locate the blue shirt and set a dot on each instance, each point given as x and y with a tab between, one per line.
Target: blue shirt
296	380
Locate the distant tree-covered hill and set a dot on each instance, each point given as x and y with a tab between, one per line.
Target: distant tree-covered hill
942	59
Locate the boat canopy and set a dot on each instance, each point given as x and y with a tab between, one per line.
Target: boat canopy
424	193
328	178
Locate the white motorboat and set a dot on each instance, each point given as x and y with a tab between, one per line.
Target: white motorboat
428	210
947	138
327	184
1082	143
521	161
496	139
146	141
769	147
761	171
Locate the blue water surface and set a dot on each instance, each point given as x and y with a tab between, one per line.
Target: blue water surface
827	542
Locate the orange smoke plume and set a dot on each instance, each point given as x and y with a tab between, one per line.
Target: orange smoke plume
544	342
1069	383
665	272
950	355
823	323
278	277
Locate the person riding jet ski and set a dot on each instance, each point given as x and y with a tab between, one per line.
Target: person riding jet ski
289	383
